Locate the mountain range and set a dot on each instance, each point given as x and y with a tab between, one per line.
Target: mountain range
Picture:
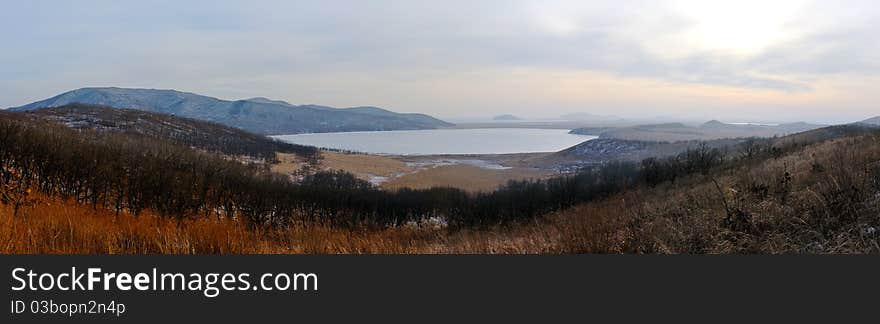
258	115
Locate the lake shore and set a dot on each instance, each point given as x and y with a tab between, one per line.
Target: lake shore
443	141
471	172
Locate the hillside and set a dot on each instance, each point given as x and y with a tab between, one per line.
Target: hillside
257	115
811	193
671	132
603	150
815	192
203	135
93	173
871	121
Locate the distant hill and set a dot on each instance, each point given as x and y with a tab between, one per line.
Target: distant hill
671	132
871	121
601	150
506	117
258	115
203	135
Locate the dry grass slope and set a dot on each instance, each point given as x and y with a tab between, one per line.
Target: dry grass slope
463	176
363	165
824	198
57	227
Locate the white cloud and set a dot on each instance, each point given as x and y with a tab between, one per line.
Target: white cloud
429	56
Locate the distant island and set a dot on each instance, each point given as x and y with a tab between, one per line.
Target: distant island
506	117
259	115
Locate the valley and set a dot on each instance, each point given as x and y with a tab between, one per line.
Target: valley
130	181
473	173
817	194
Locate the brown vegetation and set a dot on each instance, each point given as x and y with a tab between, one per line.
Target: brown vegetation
396	172
182	131
64	191
824	198
673	132
468	177
363	165
64	227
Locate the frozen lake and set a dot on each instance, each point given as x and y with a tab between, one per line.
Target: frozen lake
444	141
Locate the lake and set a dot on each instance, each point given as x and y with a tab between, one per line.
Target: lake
444	141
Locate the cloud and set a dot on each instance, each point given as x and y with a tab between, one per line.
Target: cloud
274	48
843	52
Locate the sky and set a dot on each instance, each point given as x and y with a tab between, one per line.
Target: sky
738	61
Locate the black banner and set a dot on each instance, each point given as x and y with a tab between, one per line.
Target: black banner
448	288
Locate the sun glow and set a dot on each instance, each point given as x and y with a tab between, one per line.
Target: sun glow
739	27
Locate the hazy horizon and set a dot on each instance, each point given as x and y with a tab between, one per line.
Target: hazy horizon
736	61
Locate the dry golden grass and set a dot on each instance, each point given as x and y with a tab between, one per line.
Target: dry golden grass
288	163
830	204
822	199
598	227
56	227
466	177
364	164
400	175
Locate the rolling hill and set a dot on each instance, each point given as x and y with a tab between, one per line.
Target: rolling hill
257	115
202	135
871	121
130	192
812	192
671	132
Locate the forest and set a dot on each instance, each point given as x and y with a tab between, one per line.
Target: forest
139	185
122	172
126	172
203	135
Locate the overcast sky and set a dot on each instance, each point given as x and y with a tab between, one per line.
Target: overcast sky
745	60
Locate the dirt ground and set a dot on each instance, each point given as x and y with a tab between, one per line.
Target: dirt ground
288	163
473	172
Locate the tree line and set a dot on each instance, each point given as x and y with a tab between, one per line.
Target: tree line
187	132
136	173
